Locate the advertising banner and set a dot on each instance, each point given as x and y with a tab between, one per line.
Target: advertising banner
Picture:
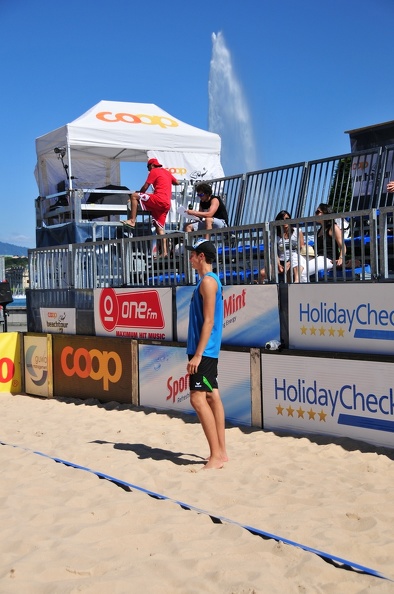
134	313
10	362
56	320
164	381
92	367
251	314
351	317
37	366
343	398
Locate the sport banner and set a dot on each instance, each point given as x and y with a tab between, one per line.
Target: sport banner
10	362
336	397
164	381
251	314
348	317
134	313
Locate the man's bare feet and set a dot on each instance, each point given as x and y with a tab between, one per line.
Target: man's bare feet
213	464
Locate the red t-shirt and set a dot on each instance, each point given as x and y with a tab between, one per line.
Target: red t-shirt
162	181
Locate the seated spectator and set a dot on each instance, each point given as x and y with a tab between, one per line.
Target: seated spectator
212	213
326	250
289	261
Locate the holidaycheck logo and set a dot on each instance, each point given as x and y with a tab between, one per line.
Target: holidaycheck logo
350	404
363	321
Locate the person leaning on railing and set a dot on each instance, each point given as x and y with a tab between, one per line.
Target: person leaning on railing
325	246
288	238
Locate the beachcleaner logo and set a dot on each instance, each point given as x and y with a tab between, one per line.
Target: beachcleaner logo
141	118
136	309
349	404
330	320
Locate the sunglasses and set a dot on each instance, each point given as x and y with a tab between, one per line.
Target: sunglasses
318	211
201	194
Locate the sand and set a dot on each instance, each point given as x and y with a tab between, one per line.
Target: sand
65	530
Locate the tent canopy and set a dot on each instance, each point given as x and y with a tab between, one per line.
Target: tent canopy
87	152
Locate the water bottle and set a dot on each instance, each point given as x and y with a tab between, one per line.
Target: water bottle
273	345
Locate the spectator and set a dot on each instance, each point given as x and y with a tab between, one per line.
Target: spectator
212	213
159	202
328	248
289	240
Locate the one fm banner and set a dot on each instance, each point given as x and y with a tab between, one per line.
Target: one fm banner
345	398
10	362
134	313
164	381
351	317
251	314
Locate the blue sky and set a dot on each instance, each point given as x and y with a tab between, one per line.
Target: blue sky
307	70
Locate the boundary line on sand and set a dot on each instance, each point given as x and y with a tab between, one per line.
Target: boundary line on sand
343	563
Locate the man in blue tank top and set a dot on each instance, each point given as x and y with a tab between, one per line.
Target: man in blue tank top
203	347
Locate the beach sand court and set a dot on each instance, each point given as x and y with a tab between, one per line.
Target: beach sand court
65	530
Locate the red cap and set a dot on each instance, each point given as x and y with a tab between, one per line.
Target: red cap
154	162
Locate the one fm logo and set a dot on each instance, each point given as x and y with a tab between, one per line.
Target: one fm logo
136	309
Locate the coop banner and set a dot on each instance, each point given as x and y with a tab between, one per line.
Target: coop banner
91	367
251	314
164	381
354	317
134	313
339	397
10	362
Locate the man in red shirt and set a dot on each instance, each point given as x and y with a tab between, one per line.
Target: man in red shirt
159	202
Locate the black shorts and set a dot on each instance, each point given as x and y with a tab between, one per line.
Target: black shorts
206	378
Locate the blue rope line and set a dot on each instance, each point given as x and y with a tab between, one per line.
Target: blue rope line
223	519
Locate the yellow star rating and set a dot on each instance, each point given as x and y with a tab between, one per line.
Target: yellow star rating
300	413
311	414
322	416
322	331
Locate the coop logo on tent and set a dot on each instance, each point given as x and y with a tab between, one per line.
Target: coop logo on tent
137	309
141	118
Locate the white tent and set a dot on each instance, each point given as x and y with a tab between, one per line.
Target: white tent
87	153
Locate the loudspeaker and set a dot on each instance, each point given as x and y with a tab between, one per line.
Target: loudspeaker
5	293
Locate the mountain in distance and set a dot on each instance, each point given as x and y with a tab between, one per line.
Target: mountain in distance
9	249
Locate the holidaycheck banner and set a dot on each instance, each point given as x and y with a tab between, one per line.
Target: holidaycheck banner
341	397
353	317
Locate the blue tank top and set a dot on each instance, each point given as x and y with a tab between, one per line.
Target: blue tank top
196	320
